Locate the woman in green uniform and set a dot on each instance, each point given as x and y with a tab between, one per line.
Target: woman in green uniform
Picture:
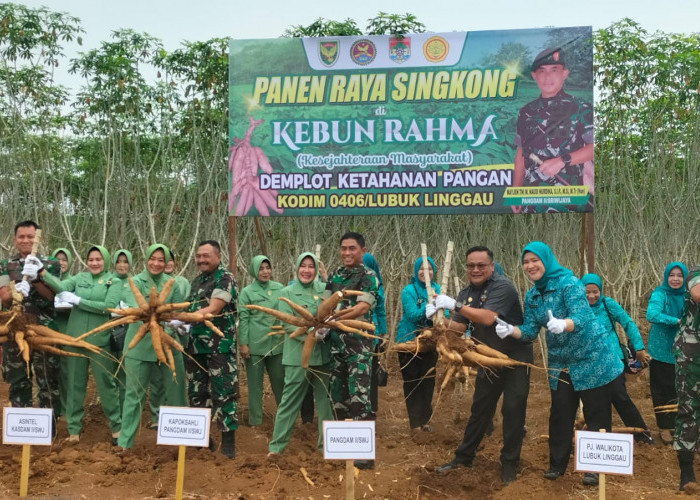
306	291
139	361
260	351
122	260
87	292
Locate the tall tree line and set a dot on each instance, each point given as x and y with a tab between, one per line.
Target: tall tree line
138	154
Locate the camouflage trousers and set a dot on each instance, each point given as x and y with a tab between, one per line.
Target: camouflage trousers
46	369
215	387
687	431
350	379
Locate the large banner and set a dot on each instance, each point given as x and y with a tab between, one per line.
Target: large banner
446	123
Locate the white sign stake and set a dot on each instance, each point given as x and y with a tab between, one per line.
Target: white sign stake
178	426
26	426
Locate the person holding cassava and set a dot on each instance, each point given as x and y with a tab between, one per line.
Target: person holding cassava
305	291
664	313
140	360
686	349
212	371
417	368
259	351
87	293
581	357
489	295
156	388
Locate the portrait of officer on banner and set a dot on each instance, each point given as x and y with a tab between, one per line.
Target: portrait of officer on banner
554	135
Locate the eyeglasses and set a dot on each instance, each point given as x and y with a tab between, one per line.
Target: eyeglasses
480	267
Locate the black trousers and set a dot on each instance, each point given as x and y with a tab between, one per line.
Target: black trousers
418	387
624	405
662	382
514	384
597	411
307	406
374	381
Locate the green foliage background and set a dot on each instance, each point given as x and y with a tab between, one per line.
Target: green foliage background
138	154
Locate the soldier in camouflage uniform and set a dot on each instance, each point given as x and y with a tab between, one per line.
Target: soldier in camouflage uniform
214	291
554	134
352	354
687	352
38	301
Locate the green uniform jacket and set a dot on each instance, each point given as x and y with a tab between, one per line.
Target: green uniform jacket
308	296
61	319
90	312
144	281
253	326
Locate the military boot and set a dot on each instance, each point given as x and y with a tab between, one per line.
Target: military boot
228	444
685	462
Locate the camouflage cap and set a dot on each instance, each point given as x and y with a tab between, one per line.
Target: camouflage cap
552	55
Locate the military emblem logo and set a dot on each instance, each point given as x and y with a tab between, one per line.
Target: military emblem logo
555	56
399	49
363	52
328	52
435	49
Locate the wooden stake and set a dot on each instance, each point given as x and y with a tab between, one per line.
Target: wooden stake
426	273
179	482
232	244
444	283
24	473
349	476
349	480
601	481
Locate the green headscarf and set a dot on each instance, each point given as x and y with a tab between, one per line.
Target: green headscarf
552	268
254	267
593	279
127	254
105	256
161	278
69	258
297	285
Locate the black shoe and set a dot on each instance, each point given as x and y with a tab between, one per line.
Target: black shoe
228	444
115	441
508	473
685	462
452	465
590	479
644	438
552	474
364	464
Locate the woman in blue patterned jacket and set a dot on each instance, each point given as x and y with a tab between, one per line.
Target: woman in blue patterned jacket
581	357
664	313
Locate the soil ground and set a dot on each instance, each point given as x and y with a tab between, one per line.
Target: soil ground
405	466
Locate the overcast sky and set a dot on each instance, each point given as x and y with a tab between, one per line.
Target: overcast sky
176	20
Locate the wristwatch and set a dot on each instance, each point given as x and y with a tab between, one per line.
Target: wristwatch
458	305
566	158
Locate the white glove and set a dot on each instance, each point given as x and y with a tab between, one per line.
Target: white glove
32	267
445	302
555	325
23	288
174	323
321	333
69	297
503	329
122	305
430	310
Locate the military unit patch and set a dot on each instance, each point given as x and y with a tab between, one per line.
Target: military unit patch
435	49
328	52
363	52
399	49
